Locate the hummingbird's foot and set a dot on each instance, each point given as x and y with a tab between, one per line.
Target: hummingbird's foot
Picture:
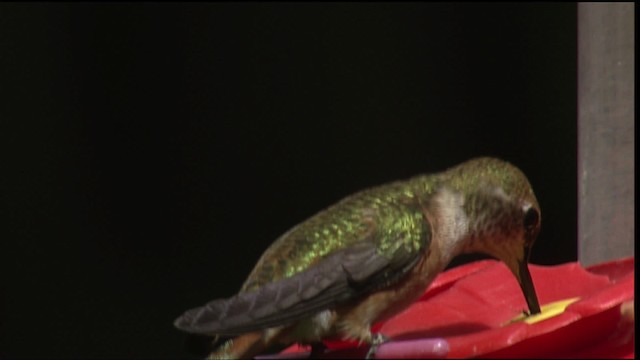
317	349
377	340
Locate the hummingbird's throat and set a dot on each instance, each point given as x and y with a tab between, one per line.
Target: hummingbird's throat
450	223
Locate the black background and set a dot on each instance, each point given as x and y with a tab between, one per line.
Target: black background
153	151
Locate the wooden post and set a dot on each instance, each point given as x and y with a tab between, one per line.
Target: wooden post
605	131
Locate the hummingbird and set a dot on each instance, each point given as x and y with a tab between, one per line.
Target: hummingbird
372	254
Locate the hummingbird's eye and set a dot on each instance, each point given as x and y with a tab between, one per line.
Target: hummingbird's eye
531	218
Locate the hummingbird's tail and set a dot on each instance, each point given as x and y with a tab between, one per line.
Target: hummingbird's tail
245	346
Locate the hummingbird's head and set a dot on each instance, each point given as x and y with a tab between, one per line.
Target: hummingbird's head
503	215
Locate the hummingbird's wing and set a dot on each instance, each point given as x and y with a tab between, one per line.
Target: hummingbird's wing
343	275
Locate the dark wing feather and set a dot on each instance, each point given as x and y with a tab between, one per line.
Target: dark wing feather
343	275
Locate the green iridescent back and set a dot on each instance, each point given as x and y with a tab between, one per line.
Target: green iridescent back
381	214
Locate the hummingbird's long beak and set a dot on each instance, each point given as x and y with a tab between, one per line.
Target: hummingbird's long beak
519	268
526	284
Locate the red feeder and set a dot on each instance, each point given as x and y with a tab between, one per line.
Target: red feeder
476	309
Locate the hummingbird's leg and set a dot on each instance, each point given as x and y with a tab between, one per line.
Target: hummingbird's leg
317	348
377	340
